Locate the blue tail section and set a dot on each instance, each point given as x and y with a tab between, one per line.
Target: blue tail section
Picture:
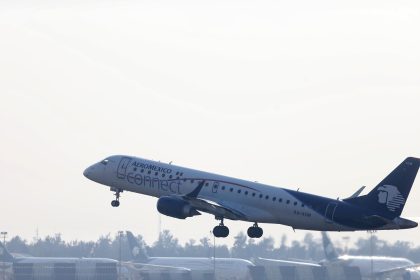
138	252
389	196
5	256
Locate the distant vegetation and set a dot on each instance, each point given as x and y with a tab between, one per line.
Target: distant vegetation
107	246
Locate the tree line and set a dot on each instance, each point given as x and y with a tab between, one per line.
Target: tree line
112	246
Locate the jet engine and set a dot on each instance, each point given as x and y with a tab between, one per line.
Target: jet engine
175	207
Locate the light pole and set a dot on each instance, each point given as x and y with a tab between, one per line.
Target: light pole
346	240
214	254
4	234
119	254
372	232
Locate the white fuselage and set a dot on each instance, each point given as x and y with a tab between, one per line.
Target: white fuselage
375	264
258	202
224	268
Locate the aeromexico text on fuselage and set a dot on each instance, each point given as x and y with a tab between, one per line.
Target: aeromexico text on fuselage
167	185
171	185
379	209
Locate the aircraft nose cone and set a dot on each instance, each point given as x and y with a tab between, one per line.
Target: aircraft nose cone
88	172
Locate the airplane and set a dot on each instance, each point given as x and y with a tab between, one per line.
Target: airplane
184	192
85	268
149	271
376	267
49	267
224	268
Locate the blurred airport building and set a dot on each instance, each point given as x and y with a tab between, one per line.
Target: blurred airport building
136	265
109	271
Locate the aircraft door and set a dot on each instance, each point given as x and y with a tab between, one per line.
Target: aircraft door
215	187
122	167
330	211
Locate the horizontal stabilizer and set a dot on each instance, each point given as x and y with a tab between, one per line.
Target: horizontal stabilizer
357	193
377	221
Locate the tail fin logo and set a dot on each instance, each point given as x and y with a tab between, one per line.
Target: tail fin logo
135	251
390	196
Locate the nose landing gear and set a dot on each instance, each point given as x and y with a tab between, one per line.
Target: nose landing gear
255	231
221	230
116	201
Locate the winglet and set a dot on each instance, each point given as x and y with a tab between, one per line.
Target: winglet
196	191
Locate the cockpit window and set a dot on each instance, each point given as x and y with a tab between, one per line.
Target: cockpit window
104	162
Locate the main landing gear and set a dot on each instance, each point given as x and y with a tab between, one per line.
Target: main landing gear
116	201
255	231
221	230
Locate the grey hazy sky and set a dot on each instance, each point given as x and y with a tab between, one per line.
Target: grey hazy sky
321	95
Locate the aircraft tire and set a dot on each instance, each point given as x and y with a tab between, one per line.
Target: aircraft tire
115	203
255	232
221	231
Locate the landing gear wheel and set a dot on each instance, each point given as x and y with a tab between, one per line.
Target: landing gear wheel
116	201
221	230
255	231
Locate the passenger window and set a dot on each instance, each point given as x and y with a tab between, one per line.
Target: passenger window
253	194
266	197
170	176
231	189
223	188
280	199
239	191
261	195
274	199
295	203
288	201
246	192
135	169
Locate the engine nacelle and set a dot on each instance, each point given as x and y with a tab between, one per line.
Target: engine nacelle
175	207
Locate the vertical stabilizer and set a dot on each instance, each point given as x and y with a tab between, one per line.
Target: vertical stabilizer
137	251
329	250
391	194
5	256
